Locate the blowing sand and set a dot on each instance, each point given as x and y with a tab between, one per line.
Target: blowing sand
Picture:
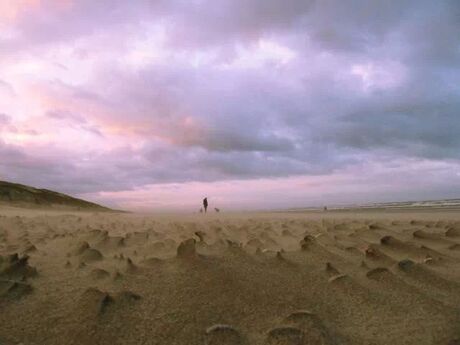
284	279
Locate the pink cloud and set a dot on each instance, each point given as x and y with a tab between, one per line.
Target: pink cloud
11	10
249	102
382	183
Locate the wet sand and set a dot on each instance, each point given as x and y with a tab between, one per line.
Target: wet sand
357	277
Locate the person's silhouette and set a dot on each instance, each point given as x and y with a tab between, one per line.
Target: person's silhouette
205	204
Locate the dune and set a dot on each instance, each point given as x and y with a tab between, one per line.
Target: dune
22	195
356	278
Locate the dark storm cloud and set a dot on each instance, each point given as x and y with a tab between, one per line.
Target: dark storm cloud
423	130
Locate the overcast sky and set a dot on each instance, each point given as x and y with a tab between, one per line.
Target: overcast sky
154	104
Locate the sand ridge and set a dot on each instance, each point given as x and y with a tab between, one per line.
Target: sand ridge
320	278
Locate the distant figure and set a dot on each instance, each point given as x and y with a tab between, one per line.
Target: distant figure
205	204
325	208
217	210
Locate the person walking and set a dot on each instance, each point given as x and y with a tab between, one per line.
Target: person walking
205	204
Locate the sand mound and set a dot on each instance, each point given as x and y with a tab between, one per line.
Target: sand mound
330	269
222	335
130	267
378	273
353	250
15	267
170	243
117	276
339	278
416	222
253	244
14	289
134	238
80	248
421	234
157	247
374	253
236	249
301	316
269	241
186	249
119	256
91	255
453	232
29	249
110	242
94	302
406	265
286	233
311	325
390	241
285	336
454	247
200	235
434	254
97	234
307	242
279	256
127	297
376	226
427	277
99	273
3	235
152	262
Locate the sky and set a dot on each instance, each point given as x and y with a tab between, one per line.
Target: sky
256	104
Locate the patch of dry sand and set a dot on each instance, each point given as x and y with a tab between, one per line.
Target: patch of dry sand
284	279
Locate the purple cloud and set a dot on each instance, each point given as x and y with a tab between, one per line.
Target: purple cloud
186	92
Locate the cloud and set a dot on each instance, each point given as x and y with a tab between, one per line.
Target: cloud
165	92
6	89
385	181
4	119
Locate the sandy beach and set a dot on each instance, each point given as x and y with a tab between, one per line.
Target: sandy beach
363	277
229	172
